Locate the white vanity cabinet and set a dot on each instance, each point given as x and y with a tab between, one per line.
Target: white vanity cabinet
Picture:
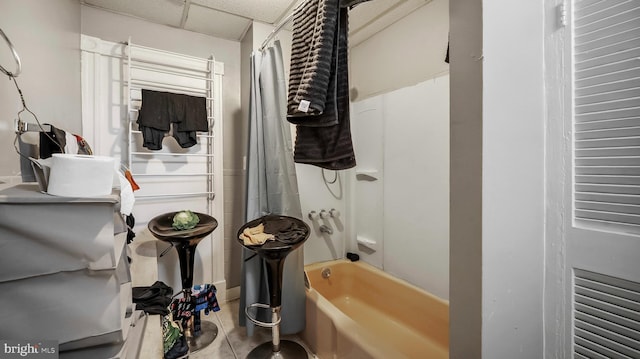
64	273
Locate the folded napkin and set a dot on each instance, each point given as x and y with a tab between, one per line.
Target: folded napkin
252	236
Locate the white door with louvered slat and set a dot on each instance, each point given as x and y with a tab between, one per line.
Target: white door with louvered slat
602	161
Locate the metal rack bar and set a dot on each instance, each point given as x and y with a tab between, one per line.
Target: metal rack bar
194	58
168	72
211	121
198	134
189	194
140	88
21	127
137	110
172	154
171	174
151	85
129	107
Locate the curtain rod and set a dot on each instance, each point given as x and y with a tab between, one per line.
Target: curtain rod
279	27
289	17
276	30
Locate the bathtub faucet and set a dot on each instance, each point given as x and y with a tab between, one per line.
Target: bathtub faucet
326	229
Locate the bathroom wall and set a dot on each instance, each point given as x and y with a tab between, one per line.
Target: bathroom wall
401	133
513	189
46	35
326	191
497	178
117	28
419	40
400	191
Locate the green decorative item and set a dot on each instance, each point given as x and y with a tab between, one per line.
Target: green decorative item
185	220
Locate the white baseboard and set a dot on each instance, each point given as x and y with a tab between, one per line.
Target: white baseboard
10	180
221	291
233	293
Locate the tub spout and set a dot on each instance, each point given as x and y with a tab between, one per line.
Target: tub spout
326	229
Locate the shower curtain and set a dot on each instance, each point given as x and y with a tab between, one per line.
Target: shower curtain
272	187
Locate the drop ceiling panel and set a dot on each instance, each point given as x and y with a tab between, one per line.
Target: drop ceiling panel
269	11
167	12
216	23
230	19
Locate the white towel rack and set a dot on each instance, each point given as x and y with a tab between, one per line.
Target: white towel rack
113	76
159	70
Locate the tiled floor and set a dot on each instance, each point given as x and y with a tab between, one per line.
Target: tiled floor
232	341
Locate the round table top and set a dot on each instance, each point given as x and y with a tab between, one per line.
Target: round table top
161	228
291	233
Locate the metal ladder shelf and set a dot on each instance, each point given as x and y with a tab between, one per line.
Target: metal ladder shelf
159	70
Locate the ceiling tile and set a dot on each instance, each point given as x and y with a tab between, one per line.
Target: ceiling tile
269	11
167	12
216	23
230	19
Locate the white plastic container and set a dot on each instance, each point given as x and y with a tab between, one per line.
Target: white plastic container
80	175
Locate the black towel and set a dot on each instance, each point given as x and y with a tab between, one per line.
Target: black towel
286	230
313	72
331	147
312	76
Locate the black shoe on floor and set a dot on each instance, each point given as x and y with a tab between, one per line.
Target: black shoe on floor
179	350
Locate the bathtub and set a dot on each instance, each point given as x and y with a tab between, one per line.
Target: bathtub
361	312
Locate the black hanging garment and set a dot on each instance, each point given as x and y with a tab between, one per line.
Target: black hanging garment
161	110
131	222
52	142
446	58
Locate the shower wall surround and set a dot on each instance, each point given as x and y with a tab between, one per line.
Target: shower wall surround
401	132
317	194
399	210
395	204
